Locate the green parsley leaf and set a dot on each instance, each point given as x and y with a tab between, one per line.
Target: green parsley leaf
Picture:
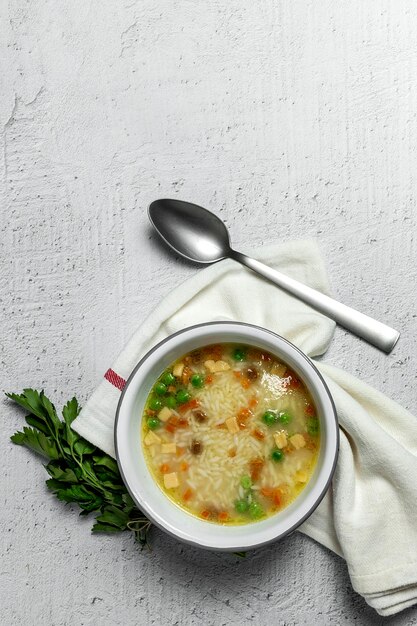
80	473
36	441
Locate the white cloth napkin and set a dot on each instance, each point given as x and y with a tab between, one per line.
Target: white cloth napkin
369	516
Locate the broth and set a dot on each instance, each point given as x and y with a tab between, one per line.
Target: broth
230	433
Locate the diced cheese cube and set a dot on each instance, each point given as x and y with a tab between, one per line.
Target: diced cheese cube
216	366
164	414
178	370
280	439
168	448
298	441
151	439
232	425
301	476
222	366
171	480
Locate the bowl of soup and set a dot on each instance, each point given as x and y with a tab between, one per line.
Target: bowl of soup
226	436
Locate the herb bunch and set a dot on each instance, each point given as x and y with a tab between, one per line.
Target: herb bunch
80	473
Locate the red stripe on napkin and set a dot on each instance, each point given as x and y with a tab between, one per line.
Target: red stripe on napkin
115	379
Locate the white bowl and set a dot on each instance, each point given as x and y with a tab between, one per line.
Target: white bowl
142	486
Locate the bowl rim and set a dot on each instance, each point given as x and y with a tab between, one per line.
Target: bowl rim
143	505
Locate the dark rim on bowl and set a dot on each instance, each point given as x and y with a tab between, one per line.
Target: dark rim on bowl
310	364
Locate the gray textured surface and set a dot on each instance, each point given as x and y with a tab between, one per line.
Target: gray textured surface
289	119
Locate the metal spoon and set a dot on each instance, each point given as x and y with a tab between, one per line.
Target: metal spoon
199	235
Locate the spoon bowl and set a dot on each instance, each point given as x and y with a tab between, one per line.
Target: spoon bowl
197	234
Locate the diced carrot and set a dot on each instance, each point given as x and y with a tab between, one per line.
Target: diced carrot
277	497
253	402
255	468
267	492
191	404
310	410
184	466
223	516
180	451
245	383
237	374
187	495
310	443
209	379
182	422
171	424
205	514
258	434
244	414
164	468
222	425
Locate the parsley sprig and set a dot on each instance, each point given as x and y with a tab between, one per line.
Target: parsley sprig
80	473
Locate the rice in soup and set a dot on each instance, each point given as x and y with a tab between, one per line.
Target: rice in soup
230	433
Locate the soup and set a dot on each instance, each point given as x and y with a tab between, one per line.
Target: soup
230	433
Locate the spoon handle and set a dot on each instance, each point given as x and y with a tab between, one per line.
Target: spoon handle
374	332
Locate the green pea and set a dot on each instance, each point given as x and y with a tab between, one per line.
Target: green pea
285	417
246	482
160	389
182	396
241	506
239	354
153	423
313	426
255	510
168	378
277	455
155	404
197	381
269	418
170	402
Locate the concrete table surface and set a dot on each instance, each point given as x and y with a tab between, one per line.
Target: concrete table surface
289	119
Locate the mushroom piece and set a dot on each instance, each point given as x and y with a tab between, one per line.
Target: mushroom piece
196	447
251	373
199	416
